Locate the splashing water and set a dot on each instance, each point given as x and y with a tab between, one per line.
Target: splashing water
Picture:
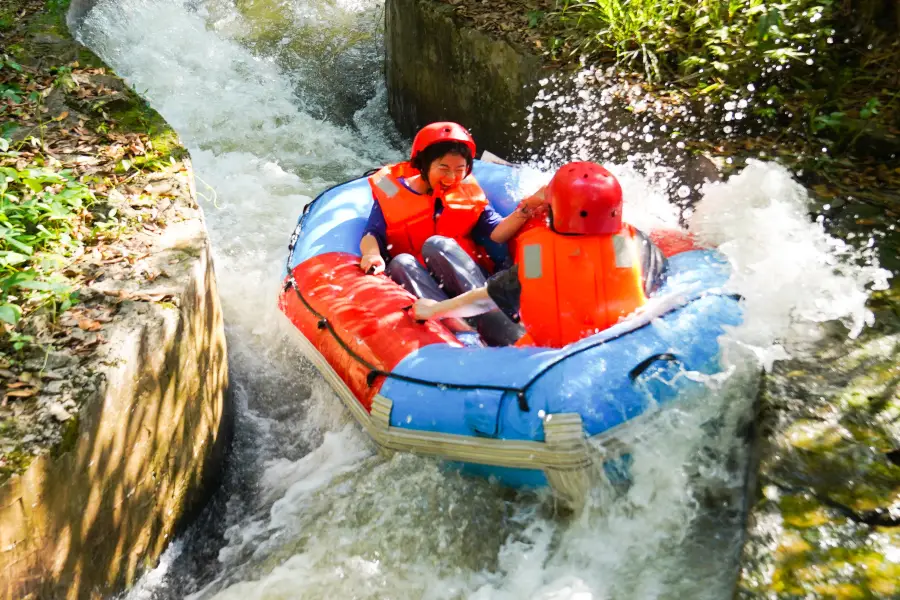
309	509
790	272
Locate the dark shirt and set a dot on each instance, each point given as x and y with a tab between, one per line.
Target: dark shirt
505	289
481	232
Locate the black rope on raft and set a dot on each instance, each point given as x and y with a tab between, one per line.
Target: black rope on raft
323	323
374	372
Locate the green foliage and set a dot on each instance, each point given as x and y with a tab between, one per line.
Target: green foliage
704	38
10	92
42	217
535	17
809	58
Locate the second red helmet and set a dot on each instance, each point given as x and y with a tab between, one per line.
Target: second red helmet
585	199
443	131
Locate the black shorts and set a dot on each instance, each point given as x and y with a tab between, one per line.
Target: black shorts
505	290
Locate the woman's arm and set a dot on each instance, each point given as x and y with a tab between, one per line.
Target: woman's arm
373	239
472	303
510	226
371	258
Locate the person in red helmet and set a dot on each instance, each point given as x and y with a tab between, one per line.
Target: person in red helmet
578	270
431	228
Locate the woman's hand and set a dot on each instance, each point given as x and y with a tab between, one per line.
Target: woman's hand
533	204
424	309
372	264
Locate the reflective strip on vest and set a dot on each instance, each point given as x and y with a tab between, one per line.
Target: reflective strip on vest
624	251
532	260
387	186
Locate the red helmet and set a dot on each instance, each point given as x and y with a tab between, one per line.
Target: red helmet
585	199
443	131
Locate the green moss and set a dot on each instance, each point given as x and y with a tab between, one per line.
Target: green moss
139	117
187	250
51	19
270	17
832	558
802	512
15	462
7	19
69	438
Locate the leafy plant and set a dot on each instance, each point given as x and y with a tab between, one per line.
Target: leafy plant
42	214
819	73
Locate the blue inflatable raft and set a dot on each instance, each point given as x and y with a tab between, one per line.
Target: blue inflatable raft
524	416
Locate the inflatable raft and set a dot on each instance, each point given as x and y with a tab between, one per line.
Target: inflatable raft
526	416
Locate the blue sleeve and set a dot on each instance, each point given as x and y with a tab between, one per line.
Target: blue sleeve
377	227
487	222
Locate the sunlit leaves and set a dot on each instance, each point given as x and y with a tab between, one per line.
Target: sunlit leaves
40	211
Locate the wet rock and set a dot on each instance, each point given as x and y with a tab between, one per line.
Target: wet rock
893	456
58	412
49	43
56	360
162	187
98	80
54	387
826	522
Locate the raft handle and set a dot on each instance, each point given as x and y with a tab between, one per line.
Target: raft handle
644	364
372	376
523	401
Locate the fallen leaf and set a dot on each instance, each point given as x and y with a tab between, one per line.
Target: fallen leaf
62	115
89	325
22	393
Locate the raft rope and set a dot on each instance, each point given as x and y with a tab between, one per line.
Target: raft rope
520	392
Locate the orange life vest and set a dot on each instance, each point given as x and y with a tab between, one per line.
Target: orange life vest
410	216
576	285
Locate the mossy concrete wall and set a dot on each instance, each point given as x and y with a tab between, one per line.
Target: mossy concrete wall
149	443
438	70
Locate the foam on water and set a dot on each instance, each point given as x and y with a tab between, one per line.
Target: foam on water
327	517
788	269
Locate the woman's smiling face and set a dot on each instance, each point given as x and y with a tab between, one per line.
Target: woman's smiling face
447	171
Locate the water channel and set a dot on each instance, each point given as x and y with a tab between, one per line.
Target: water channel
277	100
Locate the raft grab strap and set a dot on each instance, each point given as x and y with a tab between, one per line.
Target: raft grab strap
642	366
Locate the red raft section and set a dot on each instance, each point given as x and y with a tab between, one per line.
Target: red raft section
673	241
365	312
